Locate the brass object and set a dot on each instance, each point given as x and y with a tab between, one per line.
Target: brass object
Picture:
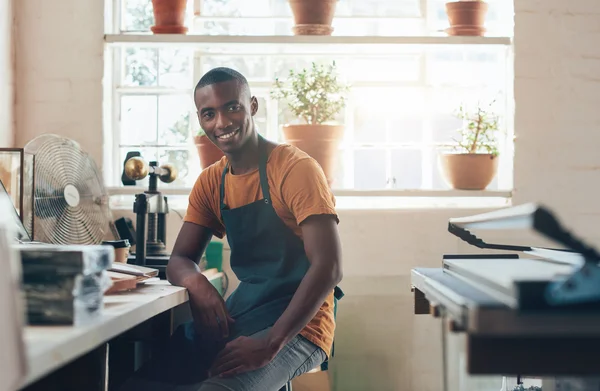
136	168
169	173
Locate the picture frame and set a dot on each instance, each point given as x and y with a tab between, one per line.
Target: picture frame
16	175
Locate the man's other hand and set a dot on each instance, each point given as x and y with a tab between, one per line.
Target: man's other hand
243	354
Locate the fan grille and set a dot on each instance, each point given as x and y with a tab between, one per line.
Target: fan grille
70	200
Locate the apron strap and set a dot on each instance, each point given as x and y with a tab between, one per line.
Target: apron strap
262	169
222	188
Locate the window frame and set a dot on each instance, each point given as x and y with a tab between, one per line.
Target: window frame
113	66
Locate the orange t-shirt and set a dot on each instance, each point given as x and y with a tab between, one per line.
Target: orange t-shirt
298	190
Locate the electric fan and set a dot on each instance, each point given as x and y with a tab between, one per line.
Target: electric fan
70	202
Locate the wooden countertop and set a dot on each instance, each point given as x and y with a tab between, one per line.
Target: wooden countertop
50	347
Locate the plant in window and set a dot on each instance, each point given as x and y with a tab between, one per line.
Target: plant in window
169	16
478	135
474	162
466	17
208	152
313	17
316	96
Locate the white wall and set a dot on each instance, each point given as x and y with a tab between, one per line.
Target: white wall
381	344
59	61
6	74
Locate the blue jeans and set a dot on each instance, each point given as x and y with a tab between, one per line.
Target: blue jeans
297	357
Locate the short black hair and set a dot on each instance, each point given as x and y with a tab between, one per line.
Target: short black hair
221	74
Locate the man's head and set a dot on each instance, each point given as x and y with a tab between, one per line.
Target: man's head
225	108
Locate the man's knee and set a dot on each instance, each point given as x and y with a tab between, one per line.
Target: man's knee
216	385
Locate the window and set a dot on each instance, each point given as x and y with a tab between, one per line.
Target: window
402	99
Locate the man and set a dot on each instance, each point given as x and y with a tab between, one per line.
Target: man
273	203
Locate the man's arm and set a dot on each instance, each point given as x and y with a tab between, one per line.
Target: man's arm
191	243
208	307
323	249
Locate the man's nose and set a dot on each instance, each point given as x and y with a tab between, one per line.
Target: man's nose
223	121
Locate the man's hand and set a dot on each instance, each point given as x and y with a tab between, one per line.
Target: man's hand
210	315
243	354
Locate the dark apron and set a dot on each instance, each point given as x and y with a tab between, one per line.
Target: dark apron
268	259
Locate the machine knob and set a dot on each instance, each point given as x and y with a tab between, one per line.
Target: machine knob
136	168
168	173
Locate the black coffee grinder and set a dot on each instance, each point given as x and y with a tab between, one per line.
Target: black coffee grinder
151	209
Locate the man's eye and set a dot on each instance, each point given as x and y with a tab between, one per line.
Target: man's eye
234	108
208	115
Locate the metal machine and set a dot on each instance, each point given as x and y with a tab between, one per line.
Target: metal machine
151	209
531	311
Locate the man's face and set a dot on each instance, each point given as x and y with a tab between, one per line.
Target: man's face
225	112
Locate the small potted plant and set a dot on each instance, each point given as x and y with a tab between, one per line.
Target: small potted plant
169	16
313	17
466	17
209	153
315	96
474	162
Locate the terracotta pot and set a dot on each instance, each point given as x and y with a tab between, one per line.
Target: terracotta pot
169	16
468	171
209	153
313	17
318	141
466	17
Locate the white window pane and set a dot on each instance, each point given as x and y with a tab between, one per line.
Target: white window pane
381	68
175	69
407	166
138	15
389	8
138	120
140	67
445	127
473	66
369	128
174	116
252	67
388	114
370	169
405	128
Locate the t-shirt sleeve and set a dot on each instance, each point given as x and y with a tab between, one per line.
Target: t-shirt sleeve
306	192
201	205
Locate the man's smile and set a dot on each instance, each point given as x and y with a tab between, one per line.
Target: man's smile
228	135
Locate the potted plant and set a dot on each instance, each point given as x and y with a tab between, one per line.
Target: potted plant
169	16
466	17
315	96
209	153
474	163
313	17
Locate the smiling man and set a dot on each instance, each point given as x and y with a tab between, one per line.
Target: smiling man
273	204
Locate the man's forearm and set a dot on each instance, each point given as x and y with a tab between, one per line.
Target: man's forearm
316	285
181	269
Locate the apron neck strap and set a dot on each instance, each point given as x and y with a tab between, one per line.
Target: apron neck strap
262	170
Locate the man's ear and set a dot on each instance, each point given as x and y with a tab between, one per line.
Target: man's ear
253	105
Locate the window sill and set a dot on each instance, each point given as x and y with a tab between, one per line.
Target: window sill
122	198
128	39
